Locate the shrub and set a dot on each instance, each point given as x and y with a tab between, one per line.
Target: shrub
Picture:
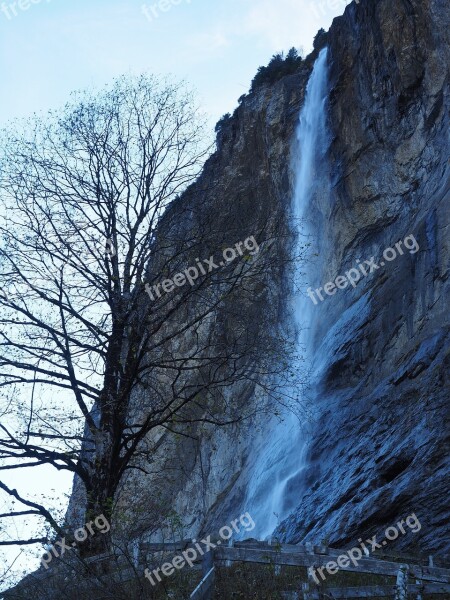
320	39
279	66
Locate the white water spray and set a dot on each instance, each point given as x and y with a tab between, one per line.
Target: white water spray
276	482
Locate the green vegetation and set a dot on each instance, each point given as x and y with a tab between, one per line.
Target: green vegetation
279	66
320	39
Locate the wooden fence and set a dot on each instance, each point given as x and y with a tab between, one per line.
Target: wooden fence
428	579
412	578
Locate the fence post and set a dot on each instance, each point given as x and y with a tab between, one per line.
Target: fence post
309	594
277	568
207	565
321	549
230	545
311	590
401	588
419	593
305	591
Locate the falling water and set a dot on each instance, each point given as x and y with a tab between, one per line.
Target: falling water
276	481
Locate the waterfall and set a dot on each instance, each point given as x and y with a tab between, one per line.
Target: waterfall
273	491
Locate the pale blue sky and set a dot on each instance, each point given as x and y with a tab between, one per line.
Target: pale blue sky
49	48
56	46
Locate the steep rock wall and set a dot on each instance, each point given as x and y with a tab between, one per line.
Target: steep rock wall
199	482
380	447
377	440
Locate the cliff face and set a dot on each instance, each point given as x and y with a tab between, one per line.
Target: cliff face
200	479
244	191
379	450
377	441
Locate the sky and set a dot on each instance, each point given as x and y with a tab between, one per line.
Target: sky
56	46
49	48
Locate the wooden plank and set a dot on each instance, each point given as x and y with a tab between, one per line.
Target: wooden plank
384	591
302	560
288	548
383	553
205	587
432	588
295	559
291	548
428	560
435	574
165	547
300	548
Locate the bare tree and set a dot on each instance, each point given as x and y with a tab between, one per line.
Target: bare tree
87	238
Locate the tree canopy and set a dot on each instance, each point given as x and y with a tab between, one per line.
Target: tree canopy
279	66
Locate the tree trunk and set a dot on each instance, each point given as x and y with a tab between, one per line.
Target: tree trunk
100	498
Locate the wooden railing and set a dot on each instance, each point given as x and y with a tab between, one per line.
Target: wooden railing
428	579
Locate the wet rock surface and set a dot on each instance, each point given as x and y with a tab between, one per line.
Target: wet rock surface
380	447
